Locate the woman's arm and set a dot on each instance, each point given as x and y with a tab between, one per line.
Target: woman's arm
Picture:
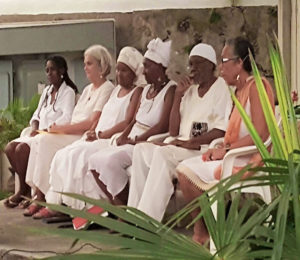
35	117
257	118
66	104
163	124
174	121
130	113
78	128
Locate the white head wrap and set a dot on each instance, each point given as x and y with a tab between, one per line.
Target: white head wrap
206	51
159	51
134	60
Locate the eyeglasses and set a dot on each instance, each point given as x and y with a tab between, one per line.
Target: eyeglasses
224	60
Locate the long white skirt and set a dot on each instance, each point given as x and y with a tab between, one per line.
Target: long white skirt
24	137
68	173
111	164
43	149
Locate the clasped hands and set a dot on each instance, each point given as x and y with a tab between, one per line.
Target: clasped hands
214	154
121	140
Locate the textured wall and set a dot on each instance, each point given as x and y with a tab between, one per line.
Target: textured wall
185	28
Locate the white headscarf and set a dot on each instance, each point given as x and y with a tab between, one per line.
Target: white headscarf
206	51
134	60
159	51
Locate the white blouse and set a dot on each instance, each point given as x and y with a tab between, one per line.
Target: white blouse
91	100
59	112
210	111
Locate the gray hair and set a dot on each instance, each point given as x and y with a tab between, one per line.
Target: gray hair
103	57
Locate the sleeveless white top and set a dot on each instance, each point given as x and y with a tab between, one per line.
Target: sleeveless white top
114	111
150	110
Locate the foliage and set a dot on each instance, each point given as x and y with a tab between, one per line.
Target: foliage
4	194
15	118
215	17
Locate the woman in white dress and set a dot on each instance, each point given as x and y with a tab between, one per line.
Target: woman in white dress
198	174
55	107
108	167
97	65
69	164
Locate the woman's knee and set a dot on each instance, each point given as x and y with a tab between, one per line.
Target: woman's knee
161	154
10	148
113	161
22	149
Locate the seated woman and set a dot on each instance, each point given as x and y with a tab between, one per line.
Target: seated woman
97	65
198	174
108	167
69	164
55	107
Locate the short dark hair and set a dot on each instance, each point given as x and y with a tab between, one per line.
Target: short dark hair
241	48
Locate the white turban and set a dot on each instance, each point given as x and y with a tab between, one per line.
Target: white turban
206	51
134	60
159	51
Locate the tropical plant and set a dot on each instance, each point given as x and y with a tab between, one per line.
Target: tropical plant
269	232
15	118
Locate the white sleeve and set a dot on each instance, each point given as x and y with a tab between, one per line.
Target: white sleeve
66	105
36	113
103	98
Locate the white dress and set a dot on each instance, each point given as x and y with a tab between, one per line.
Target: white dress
59	112
69	164
111	163
45	146
201	173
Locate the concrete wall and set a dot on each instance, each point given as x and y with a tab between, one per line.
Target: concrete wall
185	27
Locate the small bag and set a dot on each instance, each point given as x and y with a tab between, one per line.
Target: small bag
198	128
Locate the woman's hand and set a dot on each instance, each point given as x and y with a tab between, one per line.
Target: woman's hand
207	155
33	133
91	136
183	85
54	128
214	154
121	140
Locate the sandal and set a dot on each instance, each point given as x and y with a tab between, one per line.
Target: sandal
24	204
31	210
9	203
82	223
45	213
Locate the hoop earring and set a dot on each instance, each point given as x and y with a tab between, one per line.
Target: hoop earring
238	77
